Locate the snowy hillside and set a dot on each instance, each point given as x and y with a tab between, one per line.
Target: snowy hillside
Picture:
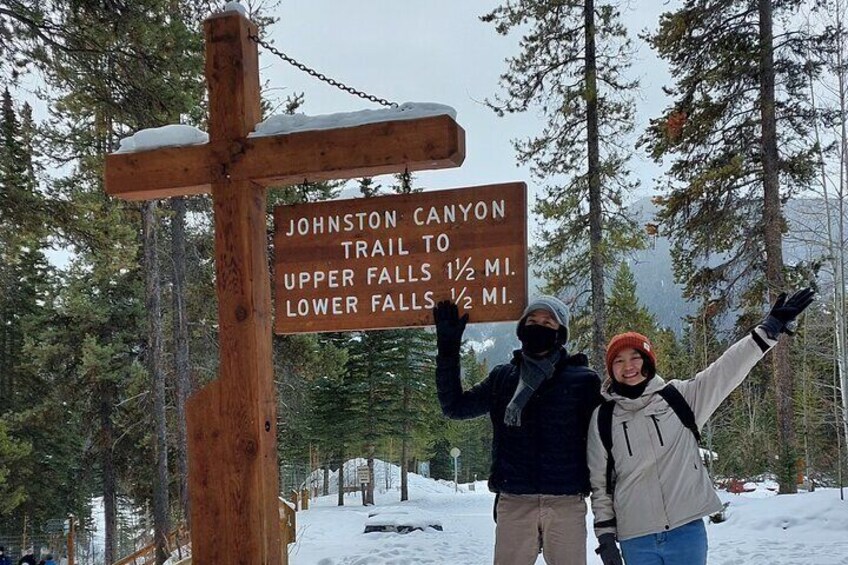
761	528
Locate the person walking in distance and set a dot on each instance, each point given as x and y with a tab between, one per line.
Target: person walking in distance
540	404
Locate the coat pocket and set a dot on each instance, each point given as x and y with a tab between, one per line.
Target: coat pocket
656	422
627	439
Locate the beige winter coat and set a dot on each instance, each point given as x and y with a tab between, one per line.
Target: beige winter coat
660	481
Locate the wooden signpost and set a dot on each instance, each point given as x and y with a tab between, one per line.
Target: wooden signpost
384	262
232	421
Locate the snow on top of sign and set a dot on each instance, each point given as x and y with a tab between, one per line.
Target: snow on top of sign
174	135
286	123
178	135
235	7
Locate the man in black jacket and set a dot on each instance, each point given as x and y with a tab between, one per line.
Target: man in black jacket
540	405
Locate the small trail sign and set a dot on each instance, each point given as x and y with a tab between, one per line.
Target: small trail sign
363	475
54	526
385	262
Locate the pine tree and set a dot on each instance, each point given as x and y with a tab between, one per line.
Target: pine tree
572	68
331	415
22	234
373	383
11	452
32	414
413	365
22	208
624	312
737	136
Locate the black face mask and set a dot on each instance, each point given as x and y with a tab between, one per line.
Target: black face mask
538	339
630	391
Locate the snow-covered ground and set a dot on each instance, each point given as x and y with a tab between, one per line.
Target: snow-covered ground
761	528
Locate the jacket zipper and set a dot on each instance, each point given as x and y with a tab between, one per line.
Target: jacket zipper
657	426
627	438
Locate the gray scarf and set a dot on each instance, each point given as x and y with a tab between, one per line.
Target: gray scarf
534	371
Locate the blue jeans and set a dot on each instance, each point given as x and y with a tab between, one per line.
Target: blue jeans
684	545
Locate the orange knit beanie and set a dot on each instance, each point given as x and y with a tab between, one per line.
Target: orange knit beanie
638	342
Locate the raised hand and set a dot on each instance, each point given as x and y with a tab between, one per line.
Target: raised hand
783	313
449	327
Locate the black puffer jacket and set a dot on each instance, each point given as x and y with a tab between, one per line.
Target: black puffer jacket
547	453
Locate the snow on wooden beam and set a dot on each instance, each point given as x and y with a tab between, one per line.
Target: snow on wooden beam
368	150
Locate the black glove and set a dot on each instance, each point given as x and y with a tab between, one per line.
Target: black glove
782	316
449	328
608	550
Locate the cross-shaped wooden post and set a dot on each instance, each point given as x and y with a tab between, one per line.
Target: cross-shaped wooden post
233	474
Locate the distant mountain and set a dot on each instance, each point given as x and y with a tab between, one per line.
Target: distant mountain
654	274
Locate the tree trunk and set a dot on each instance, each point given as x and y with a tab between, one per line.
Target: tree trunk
404	452
839	247
596	257
809	469
154	320
182	371
371	434
341	480
404	446
404	470
107	439
773	226
325	489
369	491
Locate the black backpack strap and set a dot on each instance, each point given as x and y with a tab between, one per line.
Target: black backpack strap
605	431
671	395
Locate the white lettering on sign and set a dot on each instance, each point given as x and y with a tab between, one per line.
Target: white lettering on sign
442	243
401	302
324	306
492	267
333	278
319	225
496	295
359	249
398	274
451	213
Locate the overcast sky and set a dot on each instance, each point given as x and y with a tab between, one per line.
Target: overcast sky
431	51
426	51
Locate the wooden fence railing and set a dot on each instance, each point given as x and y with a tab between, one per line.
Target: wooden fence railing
147	554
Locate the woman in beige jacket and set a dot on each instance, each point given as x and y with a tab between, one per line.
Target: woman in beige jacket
655	492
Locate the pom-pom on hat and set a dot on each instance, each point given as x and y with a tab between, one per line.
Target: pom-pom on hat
555	306
638	342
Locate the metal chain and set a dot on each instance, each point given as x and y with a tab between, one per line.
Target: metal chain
321	76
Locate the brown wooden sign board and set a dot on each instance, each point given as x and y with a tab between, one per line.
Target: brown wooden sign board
384	262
